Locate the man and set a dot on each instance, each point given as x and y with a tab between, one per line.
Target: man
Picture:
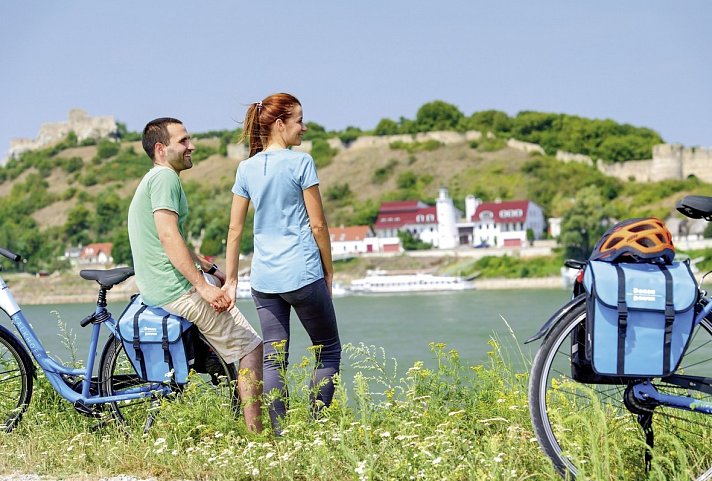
169	275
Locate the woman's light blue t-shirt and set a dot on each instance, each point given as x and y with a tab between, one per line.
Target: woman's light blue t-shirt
286	256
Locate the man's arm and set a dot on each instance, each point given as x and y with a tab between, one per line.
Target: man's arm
179	255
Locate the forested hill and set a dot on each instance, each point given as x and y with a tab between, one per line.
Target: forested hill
72	194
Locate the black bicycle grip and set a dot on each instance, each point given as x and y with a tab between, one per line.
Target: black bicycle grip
10	255
87	320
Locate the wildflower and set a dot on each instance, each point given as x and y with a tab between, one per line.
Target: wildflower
437	460
159	441
499	458
385	434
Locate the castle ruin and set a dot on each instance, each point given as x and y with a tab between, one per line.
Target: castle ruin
79	122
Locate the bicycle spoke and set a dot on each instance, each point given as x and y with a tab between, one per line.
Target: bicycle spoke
566	412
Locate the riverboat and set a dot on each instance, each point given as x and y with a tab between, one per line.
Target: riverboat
381	282
244	291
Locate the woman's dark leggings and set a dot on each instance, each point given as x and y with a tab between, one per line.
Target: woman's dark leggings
315	310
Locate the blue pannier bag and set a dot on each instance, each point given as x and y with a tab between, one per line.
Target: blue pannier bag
639	317
158	344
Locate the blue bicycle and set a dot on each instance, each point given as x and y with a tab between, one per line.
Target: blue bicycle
116	389
659	427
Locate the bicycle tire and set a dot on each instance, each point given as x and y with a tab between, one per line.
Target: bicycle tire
116	372
16	380
575	422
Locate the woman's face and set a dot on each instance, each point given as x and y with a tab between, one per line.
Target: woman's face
294	127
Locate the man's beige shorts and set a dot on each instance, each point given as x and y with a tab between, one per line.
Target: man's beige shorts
228	332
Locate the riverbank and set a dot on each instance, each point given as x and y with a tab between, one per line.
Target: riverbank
69	288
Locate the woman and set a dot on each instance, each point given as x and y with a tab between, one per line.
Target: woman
291	265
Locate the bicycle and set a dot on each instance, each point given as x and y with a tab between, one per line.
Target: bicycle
117	388
666	420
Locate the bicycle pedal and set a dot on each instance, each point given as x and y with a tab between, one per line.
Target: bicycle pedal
81	408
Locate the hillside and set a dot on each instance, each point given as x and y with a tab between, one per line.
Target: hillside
68	195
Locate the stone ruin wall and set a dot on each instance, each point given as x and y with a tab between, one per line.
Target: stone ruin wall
670	161
78	121
239	152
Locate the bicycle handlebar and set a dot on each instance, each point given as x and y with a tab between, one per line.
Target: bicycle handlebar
10	255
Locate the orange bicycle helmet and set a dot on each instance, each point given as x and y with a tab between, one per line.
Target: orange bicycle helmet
641	239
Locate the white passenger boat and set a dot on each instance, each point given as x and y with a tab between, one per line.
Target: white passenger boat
244	291
380	282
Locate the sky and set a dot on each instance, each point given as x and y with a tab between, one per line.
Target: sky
352	63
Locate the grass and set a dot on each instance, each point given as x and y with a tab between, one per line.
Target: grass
440	419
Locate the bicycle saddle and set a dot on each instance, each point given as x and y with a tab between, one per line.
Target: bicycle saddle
696	207
107	278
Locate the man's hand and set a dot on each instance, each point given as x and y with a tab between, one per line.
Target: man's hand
215	296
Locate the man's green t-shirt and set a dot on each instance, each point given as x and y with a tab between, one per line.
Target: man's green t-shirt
157	279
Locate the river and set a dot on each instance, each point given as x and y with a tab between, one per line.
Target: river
403	325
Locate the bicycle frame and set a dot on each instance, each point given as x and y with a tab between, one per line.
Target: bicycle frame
54	370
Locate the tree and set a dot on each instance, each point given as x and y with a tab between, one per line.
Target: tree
438	115
350	134
411	243
314	131
490	121
77	226
386	127
108	215
121	249
584	224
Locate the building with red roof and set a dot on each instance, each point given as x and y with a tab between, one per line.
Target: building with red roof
360	239
505	223
434	224
96	253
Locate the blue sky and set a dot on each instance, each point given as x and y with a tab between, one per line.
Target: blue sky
644	62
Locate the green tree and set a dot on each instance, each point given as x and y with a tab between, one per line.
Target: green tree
315	131
438	115
121	248
76	228
338	192
350	134
322	153
108	215
106	148
490	121
386	127
584	223
412	243
214	238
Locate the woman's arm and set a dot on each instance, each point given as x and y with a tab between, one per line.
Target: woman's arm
320	229
238	214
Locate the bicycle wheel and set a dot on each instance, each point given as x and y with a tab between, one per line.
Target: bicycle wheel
587	428
213	379
16	380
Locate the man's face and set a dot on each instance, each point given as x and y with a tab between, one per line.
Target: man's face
178	153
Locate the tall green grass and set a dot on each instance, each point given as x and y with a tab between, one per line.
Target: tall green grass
439	419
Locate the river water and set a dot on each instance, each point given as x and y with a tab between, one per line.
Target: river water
403	325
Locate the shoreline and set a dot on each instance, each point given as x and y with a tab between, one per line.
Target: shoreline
66	289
